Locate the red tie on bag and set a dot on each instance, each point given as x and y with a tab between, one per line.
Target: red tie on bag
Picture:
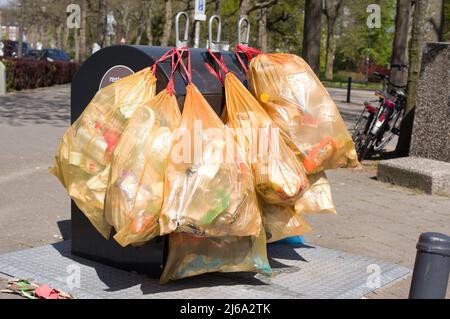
249	52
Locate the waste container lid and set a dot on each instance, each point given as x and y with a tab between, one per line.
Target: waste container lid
435	243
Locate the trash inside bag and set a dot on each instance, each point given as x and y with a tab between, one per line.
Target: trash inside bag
190	255
279	177
317	198
295	99
135	193
85	152
206	191
282	222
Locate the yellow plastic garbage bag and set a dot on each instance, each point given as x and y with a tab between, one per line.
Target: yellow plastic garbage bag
85	152
207	192
279	176
317	198
282	221
190	255
135	193
295	99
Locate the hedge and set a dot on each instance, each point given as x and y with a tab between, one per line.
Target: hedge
29	74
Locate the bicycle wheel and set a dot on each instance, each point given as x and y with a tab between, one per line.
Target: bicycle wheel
388	135
360	127
366	147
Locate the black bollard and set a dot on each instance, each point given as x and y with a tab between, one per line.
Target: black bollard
349	88
432	267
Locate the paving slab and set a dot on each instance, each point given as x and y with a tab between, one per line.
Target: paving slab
301	272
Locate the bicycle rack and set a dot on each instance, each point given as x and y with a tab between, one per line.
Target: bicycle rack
181	43
216	46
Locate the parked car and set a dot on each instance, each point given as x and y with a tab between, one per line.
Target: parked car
9	48
54	55
34	54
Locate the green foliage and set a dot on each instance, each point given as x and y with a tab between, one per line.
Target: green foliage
352	44
24	74
446	31
284	25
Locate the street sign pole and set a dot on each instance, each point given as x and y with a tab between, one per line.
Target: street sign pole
197	34
199	15
21	25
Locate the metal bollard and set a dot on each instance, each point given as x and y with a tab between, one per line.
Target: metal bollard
431	268
349	88
2	79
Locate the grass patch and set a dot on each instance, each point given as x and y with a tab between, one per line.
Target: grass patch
355	85
442	194
416	191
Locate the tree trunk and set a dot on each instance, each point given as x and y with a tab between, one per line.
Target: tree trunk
167	24
400	44
140	27
148	29
217	7
138	36
244	6
262	30
426	27
58	36
65	37
102	9
76	39
125	22
83	47
330	47
331	11
311	34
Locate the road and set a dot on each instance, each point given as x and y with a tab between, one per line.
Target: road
374	219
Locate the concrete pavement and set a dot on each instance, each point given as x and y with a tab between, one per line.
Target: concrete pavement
374	219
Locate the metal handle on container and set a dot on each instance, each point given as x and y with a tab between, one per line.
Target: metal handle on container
214	45
247	31
181	43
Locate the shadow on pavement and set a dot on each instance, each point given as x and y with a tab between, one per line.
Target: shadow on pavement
116	279
42	106
65	228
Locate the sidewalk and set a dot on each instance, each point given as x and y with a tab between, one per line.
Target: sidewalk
374	219
378	220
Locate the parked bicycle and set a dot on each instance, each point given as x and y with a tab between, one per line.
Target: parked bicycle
378	124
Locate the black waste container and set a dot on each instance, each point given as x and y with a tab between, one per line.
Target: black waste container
103	68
